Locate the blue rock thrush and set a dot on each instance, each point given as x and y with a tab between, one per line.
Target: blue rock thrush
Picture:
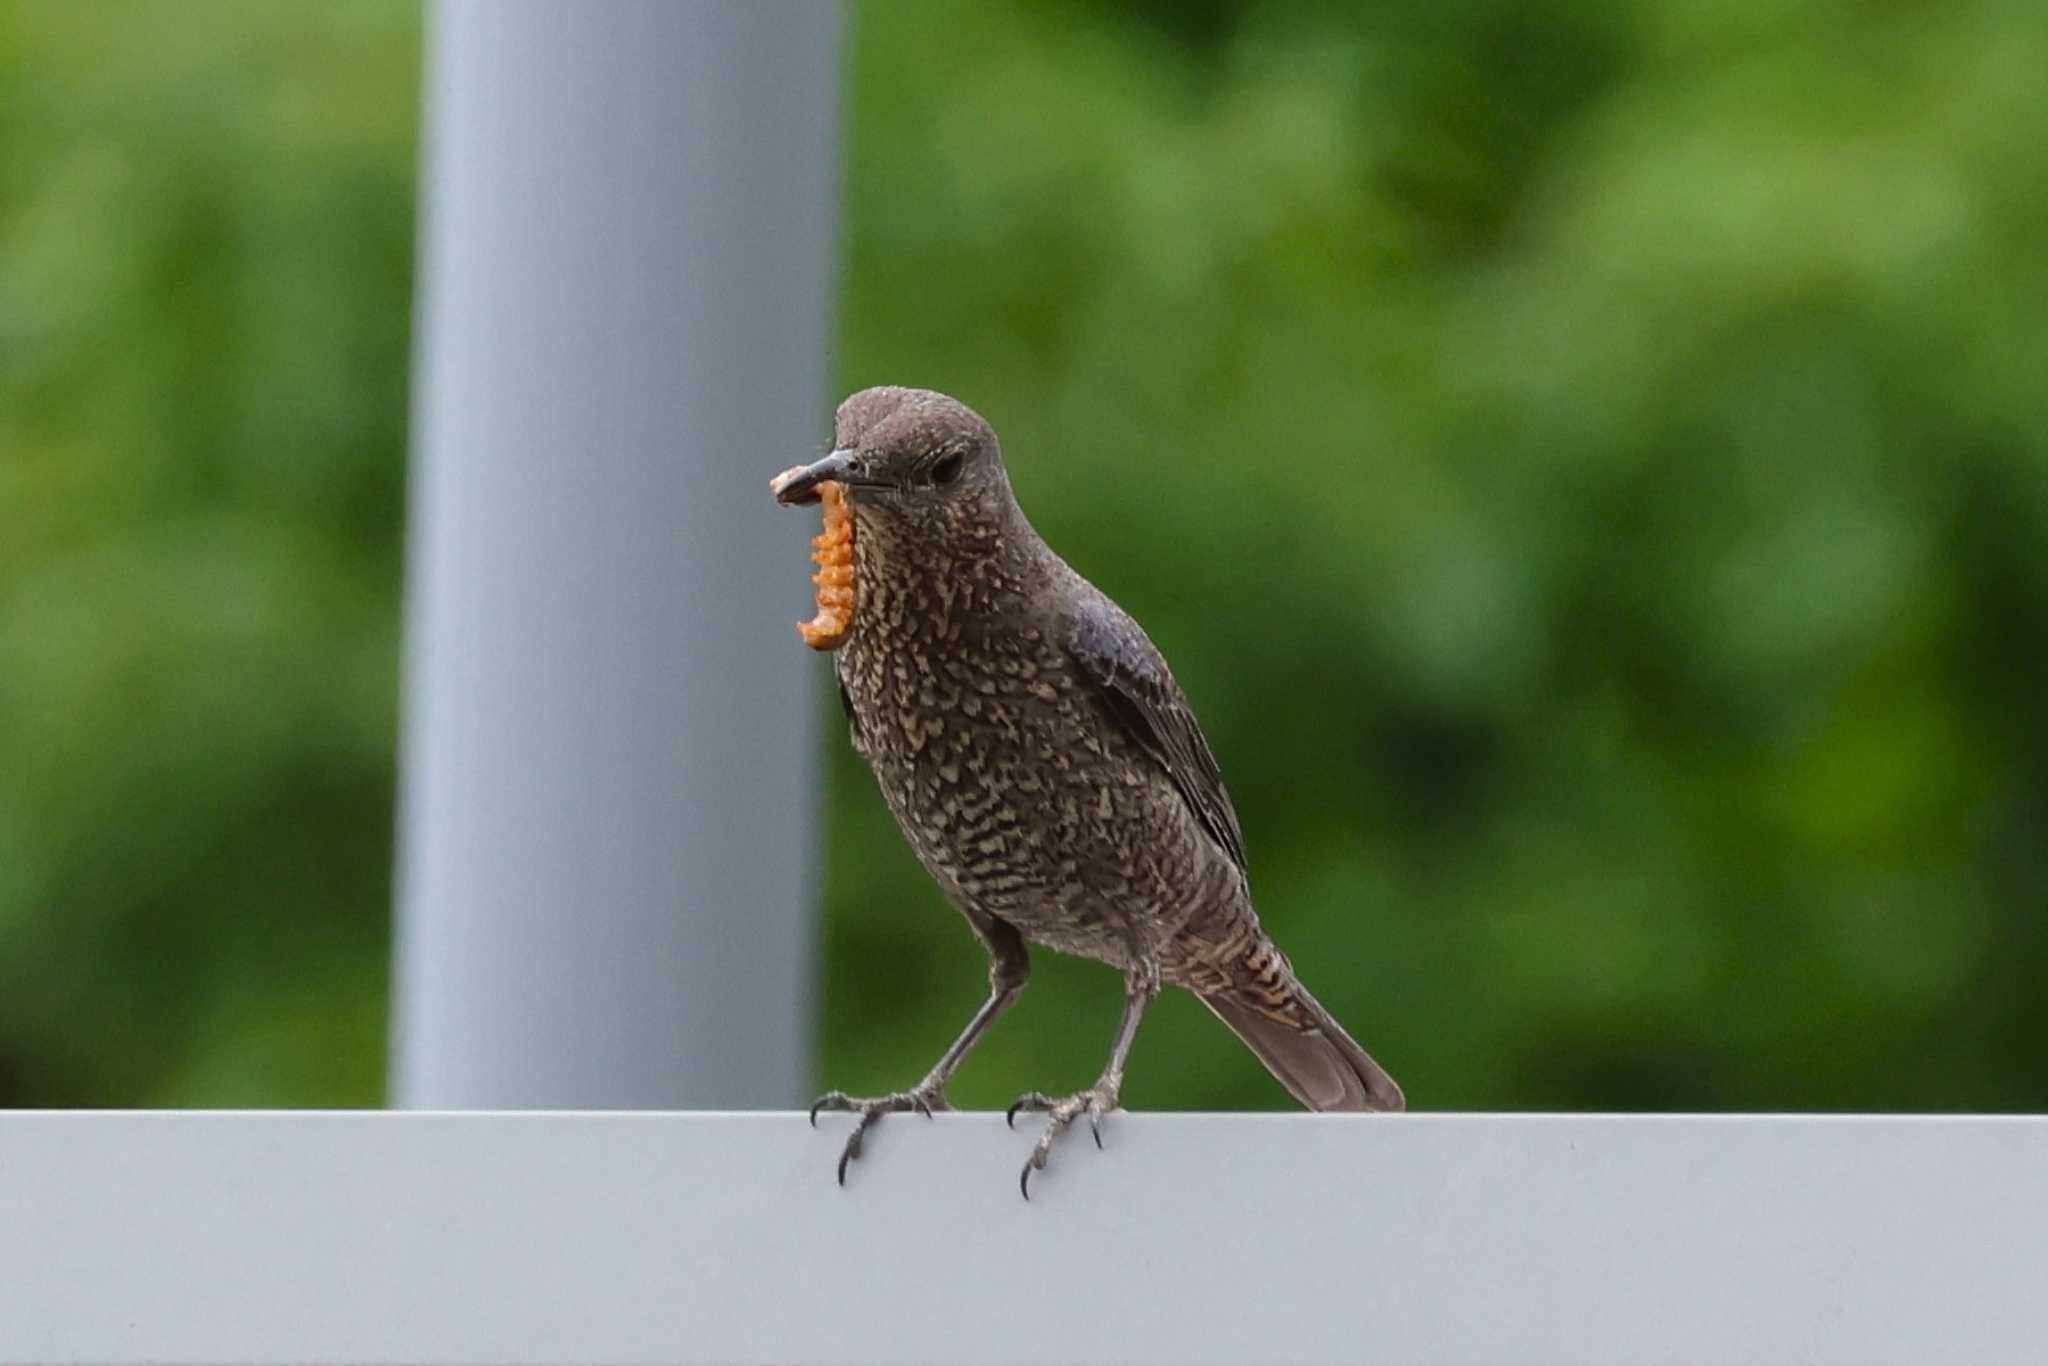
1045	767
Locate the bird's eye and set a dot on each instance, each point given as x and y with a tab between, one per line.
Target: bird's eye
948	466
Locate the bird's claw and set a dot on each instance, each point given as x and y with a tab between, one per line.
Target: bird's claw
1095	1102
921	1099
1030	1100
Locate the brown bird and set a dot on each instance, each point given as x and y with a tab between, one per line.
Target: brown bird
1045	767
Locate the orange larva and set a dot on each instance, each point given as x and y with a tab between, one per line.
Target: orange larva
832	549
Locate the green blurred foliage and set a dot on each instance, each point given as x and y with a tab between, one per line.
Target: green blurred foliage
1585	460
205	262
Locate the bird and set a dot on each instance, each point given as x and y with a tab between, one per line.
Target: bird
1045	768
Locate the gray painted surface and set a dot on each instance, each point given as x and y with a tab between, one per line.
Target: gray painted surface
604	884
1269	1238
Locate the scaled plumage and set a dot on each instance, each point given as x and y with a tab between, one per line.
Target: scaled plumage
1044	765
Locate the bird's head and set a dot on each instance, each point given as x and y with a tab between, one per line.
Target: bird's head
910	459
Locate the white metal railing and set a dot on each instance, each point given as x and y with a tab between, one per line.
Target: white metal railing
586	1237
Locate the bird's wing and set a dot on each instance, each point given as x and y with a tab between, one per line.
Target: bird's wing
1138	695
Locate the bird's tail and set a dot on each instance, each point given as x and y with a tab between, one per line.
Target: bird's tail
1301	1044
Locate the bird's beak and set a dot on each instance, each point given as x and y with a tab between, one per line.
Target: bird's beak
793	488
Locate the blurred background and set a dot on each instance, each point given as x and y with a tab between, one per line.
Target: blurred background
1588	463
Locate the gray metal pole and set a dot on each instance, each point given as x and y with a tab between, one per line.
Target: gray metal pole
606	830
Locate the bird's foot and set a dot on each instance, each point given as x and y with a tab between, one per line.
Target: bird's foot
923	1098
1061	1111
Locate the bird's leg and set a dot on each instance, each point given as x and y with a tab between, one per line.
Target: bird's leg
1141	988
1008	967
925	1097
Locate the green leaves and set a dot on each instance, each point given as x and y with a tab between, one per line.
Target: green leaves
1547	442
1585	463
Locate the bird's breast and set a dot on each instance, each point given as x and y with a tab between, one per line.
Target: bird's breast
1004	776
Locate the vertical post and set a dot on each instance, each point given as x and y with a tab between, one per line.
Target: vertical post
606	830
